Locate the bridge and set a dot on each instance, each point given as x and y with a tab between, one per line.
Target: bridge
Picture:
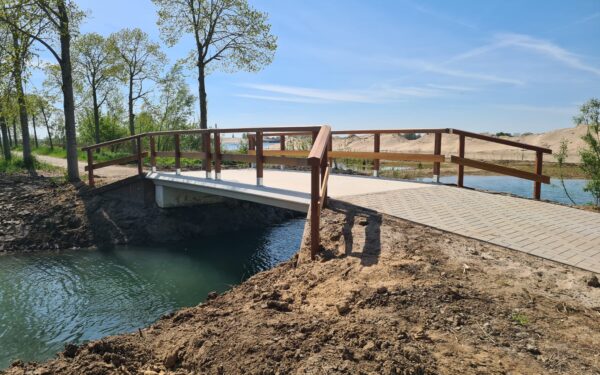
300	178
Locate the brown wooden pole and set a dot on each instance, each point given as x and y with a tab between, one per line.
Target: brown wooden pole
140	159
376	147
282	142
282	147
537	185
90	158
207	155
315	239
437	151
177	155
461	168
259	158
153	153
323	167
251	144
217	155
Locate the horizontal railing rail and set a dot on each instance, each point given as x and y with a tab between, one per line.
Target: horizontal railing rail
318	156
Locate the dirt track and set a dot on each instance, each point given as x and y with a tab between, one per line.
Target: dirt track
387	297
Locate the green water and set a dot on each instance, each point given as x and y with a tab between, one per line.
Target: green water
49	299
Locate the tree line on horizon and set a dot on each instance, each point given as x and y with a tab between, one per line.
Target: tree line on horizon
118	85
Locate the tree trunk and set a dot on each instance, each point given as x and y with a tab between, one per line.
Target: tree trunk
5	135
10	142
37	145
47	127
18	77
67	88
96	116
15	138
202	95
131	115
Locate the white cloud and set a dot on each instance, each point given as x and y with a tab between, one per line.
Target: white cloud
547	49
451	87
379	94
538	109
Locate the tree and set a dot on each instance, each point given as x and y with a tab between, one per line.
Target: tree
228	35
19	53
95	65
141	60
590	156
56	20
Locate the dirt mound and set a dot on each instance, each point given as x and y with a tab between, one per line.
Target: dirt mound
387	297
37	213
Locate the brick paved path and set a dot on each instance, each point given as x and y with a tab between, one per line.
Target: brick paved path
550	231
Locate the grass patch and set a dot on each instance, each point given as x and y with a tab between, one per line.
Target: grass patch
520	318
58	152
16	165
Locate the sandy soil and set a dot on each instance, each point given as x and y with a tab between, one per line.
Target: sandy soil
474	148
386	297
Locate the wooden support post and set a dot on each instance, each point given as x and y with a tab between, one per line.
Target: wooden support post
259	158
177	155
152	153
330	148
537	185
282	147
140	159
251	145
461	168
207	164
90	157
282	142
315	214
437	151
376	146
323	168
217	156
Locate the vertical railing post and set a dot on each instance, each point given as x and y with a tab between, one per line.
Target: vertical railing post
259	158
207	155
152	153
177	155
140	160
90	159
376	146
461	154
251	146
537	185
330	149
437	151
323	168
282	147
217	155
314	210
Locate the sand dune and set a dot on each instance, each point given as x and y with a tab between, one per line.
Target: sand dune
474	148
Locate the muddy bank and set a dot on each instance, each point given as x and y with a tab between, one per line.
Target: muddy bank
39	214
386	297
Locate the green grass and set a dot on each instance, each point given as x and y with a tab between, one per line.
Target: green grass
59	152
520	318
16	165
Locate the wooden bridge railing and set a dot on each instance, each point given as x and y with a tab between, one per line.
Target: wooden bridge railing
318	158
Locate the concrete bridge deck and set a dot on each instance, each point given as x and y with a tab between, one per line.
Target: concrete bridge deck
563	234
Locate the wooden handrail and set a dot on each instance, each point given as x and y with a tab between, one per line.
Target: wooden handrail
500	140
319	147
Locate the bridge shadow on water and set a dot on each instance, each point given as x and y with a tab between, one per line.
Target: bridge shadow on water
360	225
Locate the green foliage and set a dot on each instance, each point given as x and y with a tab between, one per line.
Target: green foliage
520	318
503	134
17	165
561	157
590	156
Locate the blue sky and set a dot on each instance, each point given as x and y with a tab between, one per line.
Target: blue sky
501	65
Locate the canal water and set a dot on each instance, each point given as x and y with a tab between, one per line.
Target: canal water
49	299
524	188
